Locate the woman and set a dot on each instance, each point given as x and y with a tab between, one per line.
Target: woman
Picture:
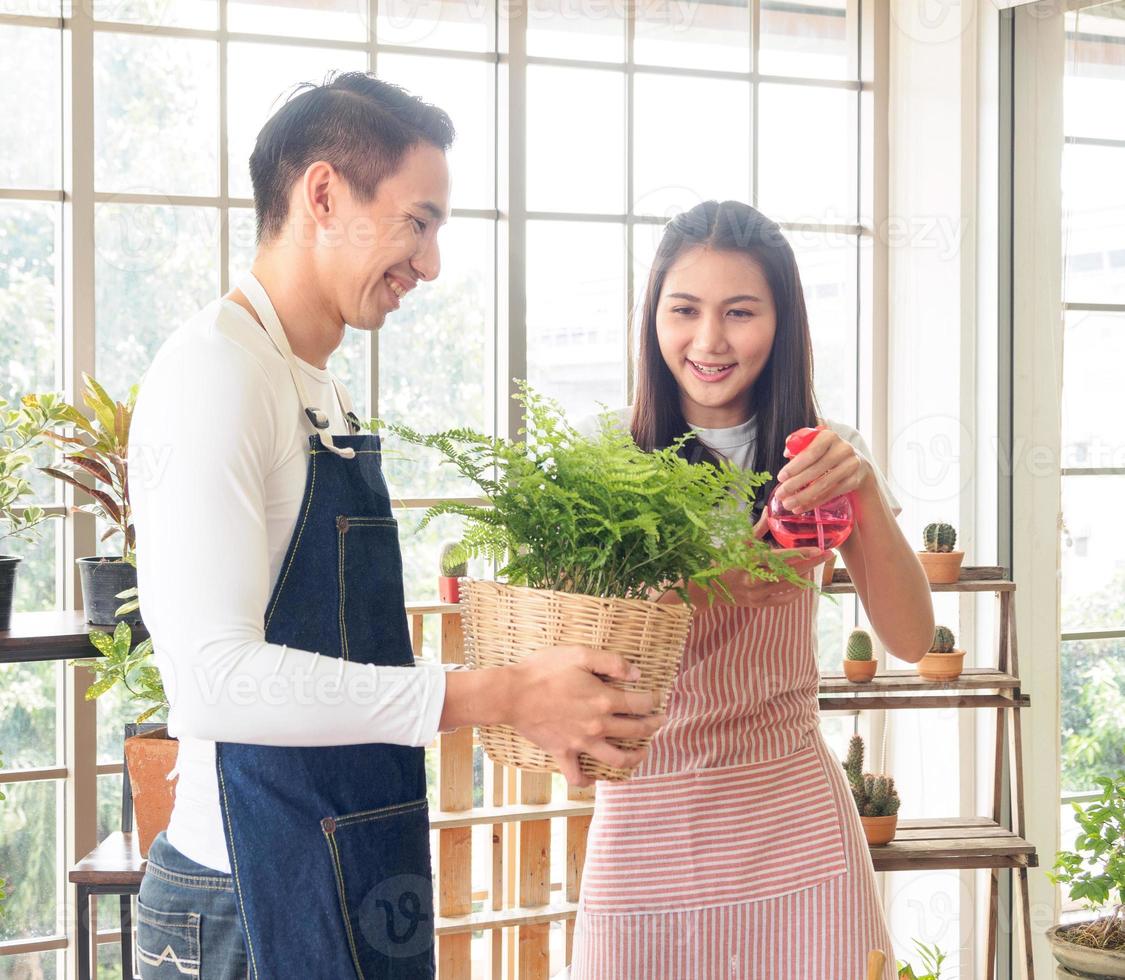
736	851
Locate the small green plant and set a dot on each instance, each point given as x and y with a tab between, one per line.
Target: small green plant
596	515
875	796
450	567
859	645
1095	869
99	447
939	537
932	958
21	430
943	640
131	666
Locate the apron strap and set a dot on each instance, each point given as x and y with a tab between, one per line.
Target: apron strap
255	292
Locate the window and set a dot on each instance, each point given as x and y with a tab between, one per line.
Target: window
624	114
1093	464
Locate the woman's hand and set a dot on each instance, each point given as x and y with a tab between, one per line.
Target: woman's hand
827	467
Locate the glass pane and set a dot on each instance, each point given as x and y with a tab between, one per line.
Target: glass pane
451	320
42	966
30	822
109	954
115	711
109	815
260	77
242	245
421	551
1093	553
350	363
1094	87
564	29
202	14
28	719
466	90
37	574
461	25
671	174
155	267
808	39
808	172
1094	223
343	20
156	114
835	618
31	107
1093	709
715	34
575	140
576	341
1093	352
827	264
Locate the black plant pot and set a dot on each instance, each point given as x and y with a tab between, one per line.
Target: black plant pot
102	579
8	565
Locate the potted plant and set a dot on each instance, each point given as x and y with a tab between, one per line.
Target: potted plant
451	571
21	430
151	756
859	665
1095	874
944	661
932	959
875	797
590	530
941	563
99	448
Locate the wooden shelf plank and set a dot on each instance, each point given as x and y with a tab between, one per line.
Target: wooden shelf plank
883	702
897	681
503	918
974	578
513	813
953	844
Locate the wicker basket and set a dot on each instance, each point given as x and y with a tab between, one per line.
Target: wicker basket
504	624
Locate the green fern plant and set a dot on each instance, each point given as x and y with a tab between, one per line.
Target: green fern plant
875	796
939	537
944	640
596	515
859	645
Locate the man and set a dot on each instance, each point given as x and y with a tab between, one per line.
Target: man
271	579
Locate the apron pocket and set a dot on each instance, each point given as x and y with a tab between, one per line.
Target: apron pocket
369	563
381	865
167	943
713	837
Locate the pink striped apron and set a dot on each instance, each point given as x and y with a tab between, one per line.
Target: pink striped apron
735	852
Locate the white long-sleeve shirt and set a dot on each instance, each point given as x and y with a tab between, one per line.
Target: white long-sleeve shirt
217	466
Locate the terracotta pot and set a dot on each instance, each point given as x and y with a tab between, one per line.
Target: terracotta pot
879	830
449	589
941	567
859	671
1085	961
827	569
150	757
941	666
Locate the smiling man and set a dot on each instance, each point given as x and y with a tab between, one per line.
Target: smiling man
271	580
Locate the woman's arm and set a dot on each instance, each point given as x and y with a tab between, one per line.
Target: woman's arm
888	577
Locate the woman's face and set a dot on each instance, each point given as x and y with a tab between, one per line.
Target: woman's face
715	322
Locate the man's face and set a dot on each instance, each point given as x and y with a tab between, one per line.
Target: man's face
372	254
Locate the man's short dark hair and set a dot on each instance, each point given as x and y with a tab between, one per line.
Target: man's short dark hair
354	121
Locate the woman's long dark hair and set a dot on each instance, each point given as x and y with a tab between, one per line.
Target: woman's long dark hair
782	398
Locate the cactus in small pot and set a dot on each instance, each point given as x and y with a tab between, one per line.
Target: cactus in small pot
452	567
940	561
875	796
859	664
944	661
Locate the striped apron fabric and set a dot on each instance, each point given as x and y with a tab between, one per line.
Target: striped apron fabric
735	852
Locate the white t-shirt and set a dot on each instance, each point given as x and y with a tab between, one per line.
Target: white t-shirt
217	466
737	443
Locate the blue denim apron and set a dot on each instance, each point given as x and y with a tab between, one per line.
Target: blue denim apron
329	847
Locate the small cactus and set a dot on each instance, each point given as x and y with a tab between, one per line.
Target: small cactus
859	645
943	640
450	567
875	796
939	537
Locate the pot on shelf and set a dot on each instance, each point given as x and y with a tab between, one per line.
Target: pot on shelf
1085	961
103	577
449	589
879	830
8	568
860	671
150	757
941	567
941	666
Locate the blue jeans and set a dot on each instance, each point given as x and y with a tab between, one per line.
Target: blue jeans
187	920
